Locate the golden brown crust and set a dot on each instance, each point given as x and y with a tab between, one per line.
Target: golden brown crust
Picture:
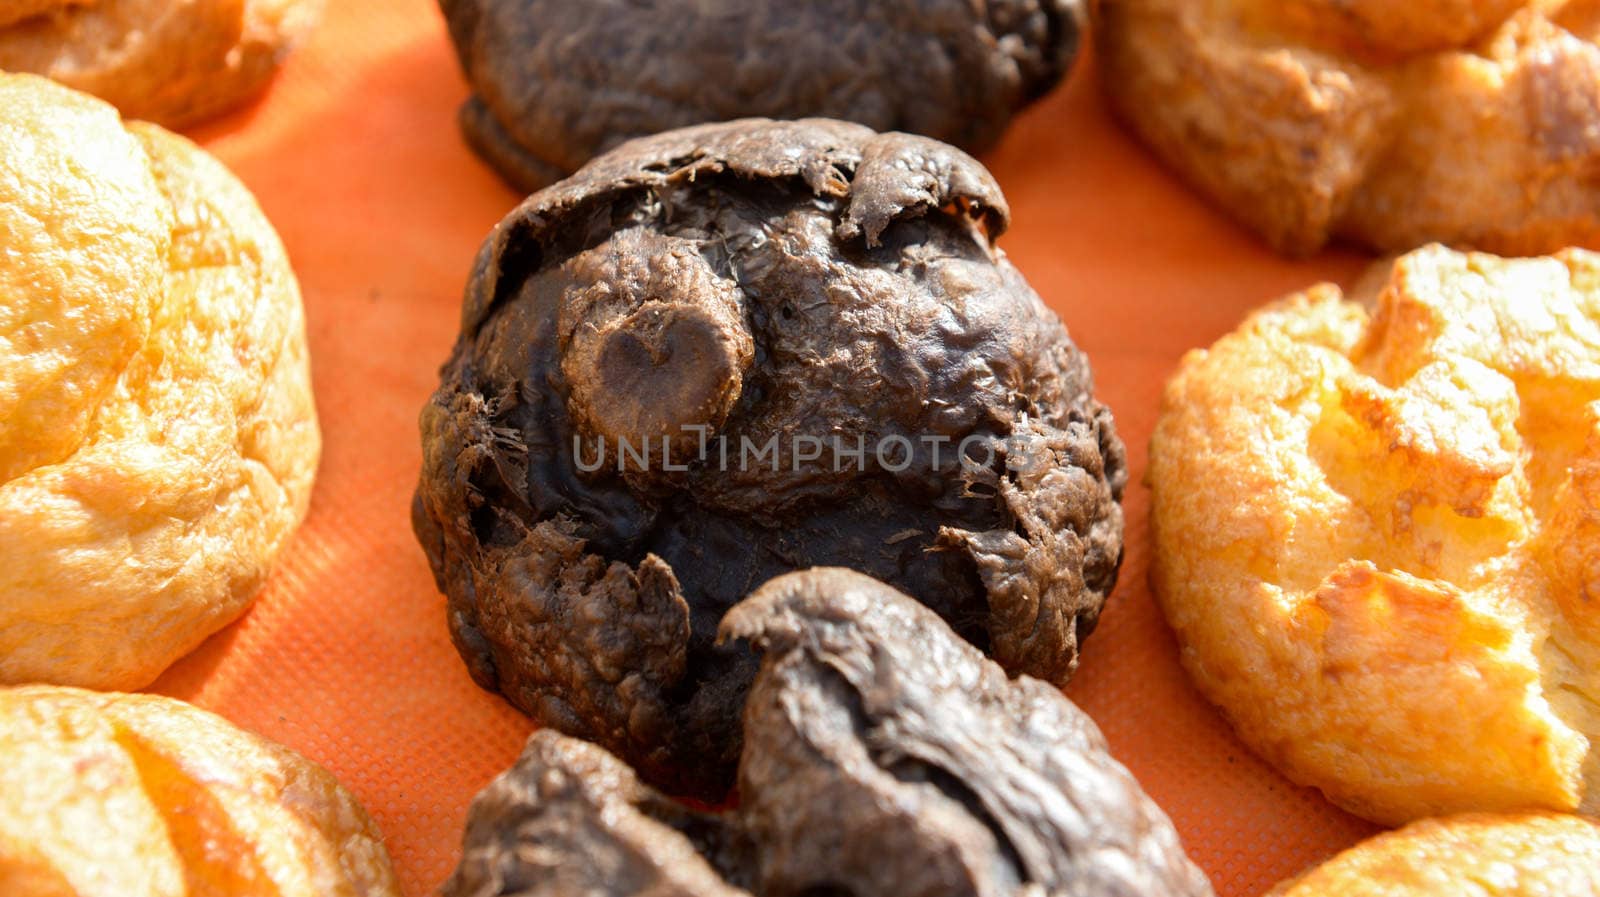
144	796
173	63
1522	855
1469	122
1373	528
160	436
1380	30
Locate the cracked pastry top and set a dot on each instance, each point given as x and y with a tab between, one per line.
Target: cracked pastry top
556	83
883	756
1474	123
133	795
1377	532
157	434
172	63
735	350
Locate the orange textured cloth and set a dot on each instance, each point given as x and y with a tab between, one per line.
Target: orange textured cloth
355	156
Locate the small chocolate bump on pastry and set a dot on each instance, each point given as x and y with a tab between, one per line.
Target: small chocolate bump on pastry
654	343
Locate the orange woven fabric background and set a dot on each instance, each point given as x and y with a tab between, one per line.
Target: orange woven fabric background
355	157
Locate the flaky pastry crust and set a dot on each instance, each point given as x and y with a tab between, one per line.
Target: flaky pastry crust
128	795
1469	122
1514	855
173	62
1377	529
159	437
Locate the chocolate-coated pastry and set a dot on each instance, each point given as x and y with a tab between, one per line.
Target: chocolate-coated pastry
813	321
884	756
557	82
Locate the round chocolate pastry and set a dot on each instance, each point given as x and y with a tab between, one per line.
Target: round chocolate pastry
1470	122
171	63
731	351
1518	855
884	756
556	83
